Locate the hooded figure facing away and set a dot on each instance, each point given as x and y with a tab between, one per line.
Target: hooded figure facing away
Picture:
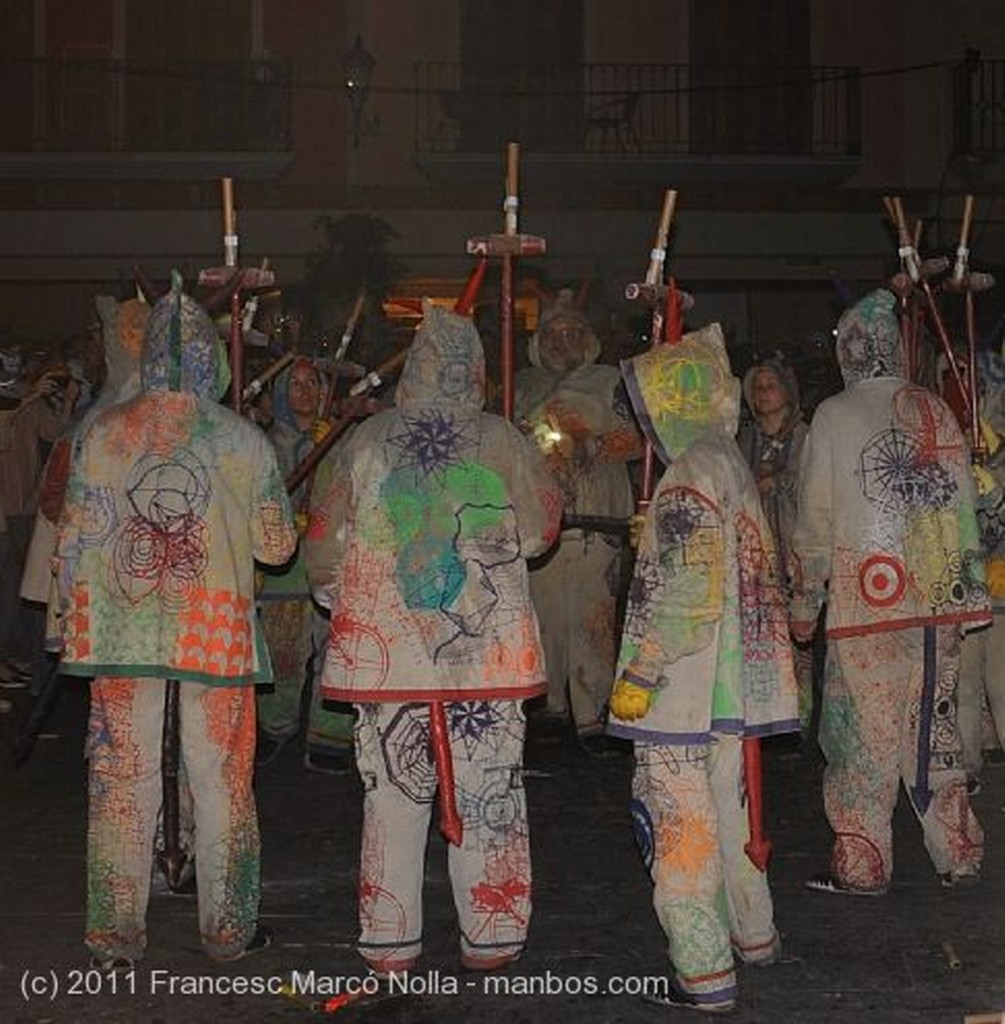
886	535
419	548
705	661
576	411
171	499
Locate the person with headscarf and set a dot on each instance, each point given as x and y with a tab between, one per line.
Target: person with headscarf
171	499
982	655
575	409
40	414
886	536
294	626
705	665
771	441
419	547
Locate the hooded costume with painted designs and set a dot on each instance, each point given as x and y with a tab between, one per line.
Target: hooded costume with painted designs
171	498
886	531
705	662
420	544
706	636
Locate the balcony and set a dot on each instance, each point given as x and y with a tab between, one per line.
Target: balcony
979	107
106	119
640	122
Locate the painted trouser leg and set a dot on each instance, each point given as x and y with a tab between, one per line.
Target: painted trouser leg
399	785
124	796
490	873
218	746
287	627
575	595
748	896
872	717
677	826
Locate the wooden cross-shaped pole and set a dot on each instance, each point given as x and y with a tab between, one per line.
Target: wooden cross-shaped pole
507	246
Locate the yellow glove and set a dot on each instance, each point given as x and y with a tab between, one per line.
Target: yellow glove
991	439
320	430
636	524
629	701
983	480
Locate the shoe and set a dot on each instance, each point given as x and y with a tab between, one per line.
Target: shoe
258	942
328	762
603	748
112	964
383	969
973	785
267	749
826	882
496	962
760	956
966	879
677	998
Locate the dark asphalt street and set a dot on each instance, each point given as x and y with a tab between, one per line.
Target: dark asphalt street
921	954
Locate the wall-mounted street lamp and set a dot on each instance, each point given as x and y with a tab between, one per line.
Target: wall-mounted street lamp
358	67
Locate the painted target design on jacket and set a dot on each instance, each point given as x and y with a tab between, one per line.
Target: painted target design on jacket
882	581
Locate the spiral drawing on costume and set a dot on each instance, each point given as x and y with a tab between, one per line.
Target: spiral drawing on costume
882	581
162	547
405	749
359	651
896	474
495	811
642	829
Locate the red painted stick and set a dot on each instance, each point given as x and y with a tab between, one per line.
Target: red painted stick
439	739
758	847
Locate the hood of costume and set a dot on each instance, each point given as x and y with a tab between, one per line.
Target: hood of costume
706	627
885	530
419	544
868	343
171	499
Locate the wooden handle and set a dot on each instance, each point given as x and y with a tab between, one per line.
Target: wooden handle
968	214
903	235
657	258
511	201
228	205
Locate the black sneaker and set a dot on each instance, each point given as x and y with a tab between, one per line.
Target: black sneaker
258	942
973	785
678	999
112	964
960	879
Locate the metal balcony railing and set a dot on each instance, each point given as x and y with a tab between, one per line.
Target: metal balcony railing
111	106
638	109
979	106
